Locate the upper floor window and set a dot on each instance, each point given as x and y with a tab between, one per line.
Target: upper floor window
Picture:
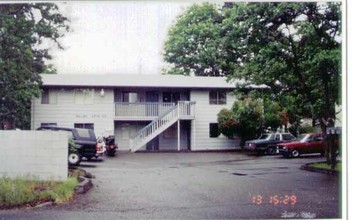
131	97
84	96
171	97
49	96
217	97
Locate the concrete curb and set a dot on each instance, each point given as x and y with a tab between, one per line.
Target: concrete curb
84	185
319	170
45	204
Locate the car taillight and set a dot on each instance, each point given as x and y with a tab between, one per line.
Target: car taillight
98	147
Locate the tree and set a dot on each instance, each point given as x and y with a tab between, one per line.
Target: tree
192	46
293	48
23	29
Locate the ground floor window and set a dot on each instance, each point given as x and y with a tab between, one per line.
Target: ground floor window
84	125
48	124
214	130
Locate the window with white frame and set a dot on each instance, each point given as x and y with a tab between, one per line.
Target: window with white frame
48	124
84	96
84	125
49	96
217	97
131	97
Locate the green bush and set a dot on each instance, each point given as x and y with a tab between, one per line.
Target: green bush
244	120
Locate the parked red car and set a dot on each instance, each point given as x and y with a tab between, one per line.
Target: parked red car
306	144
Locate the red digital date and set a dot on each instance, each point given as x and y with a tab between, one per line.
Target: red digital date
275	199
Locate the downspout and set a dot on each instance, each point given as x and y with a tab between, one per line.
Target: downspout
32	114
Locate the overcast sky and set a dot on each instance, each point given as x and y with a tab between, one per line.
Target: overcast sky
115	37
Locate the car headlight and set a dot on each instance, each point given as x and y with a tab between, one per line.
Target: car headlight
284	148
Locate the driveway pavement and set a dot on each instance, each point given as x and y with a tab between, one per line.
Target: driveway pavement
198	186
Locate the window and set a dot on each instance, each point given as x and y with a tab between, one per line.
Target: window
84	125
217	97
49	96
131	97
48	124
214	130
84	96
287	137
171	97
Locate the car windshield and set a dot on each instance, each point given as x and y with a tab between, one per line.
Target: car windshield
303	137
264	137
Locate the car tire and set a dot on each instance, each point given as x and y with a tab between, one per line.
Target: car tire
295	153
74	159
271	151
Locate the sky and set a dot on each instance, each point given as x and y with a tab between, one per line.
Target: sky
115	37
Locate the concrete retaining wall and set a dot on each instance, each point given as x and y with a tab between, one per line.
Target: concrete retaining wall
34	154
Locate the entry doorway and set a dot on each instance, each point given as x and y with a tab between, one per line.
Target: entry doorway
152	110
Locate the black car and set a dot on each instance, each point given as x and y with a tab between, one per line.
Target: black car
84	139
266	143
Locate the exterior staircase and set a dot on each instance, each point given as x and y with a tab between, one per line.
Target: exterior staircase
183	110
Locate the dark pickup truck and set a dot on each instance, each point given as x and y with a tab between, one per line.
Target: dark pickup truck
266	143
84	139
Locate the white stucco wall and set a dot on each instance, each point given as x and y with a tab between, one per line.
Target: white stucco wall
34	154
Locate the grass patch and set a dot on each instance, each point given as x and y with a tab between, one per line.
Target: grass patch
325	166
20	192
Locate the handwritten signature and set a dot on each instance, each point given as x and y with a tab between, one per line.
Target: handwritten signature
305	215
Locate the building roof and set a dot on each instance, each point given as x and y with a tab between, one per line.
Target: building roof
137	80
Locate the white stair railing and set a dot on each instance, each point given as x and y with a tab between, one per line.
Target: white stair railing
183	110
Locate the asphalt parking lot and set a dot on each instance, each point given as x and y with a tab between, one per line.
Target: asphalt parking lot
225	185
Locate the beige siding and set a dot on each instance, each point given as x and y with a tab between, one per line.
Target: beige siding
206	114
65	112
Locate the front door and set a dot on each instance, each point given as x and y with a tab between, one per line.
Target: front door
151	109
